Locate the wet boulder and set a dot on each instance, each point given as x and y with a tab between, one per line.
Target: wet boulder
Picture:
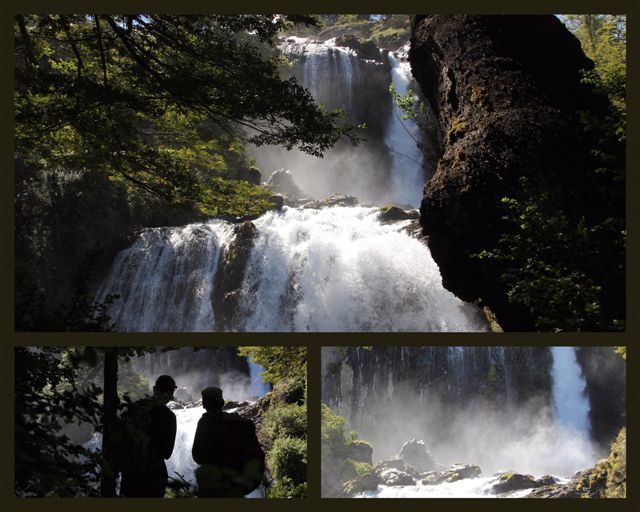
282	182
364	483
546	480
508	482
333	200
452	474
414	453
393	477
390	213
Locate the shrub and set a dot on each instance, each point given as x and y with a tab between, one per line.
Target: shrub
286	420
288	460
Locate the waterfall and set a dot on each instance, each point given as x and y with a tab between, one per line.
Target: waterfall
570	402
334	269
181	465
164	280
258	387
338	78
494	407
401	137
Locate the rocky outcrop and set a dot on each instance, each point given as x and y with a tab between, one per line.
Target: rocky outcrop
229	276
360	451
507	94
414	453
331	201
605	374
607	479
283	183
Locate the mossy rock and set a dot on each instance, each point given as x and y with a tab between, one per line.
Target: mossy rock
514	482
360	451
390	213
364	483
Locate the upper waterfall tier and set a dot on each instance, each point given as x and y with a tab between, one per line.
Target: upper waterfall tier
386	167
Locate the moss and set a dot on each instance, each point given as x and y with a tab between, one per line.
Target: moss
457	128
360	468
478	94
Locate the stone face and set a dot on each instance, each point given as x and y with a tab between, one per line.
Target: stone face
506	91
282	182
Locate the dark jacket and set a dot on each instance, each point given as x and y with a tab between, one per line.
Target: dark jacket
230	457
149	434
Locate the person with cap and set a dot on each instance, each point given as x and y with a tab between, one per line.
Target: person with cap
147	439
227	449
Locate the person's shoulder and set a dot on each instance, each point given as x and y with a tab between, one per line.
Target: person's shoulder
164	411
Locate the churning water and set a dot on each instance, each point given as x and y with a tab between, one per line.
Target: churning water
334	269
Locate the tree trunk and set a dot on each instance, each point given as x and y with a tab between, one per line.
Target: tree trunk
110	418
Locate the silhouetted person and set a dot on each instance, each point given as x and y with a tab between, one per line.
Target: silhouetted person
149	433
227	449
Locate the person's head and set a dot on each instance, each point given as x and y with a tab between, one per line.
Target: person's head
164	388
212	398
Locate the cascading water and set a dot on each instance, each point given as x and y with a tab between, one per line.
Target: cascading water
164	280
570	402
402	136
334	269
338	78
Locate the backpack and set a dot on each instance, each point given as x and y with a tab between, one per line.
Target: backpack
249	456
239	460
134	438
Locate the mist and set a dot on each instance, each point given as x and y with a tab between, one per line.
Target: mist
522	439
363	171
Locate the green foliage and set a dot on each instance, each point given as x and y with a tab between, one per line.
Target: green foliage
125	121
622	351
552	262
287	459
286	420
360	468
281	363
47	462
337	466
604	40
287	488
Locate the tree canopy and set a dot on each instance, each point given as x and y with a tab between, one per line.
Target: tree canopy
130	121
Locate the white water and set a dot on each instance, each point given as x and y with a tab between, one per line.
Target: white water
165	278
468	488
258	387
570	403
335	269
408	177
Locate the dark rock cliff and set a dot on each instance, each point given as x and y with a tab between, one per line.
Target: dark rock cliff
507	94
